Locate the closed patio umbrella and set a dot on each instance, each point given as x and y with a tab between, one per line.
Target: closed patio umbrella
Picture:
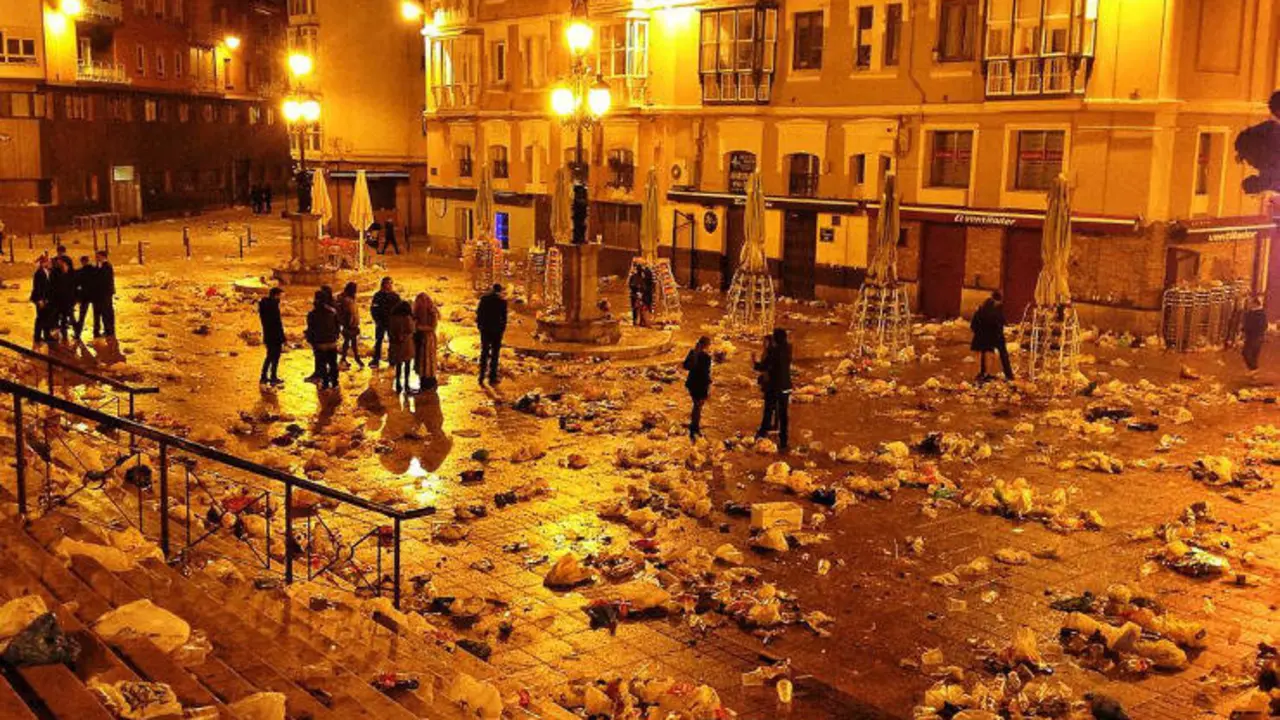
884	264
561	213
1052	287
484	206
320	204
650	225
361	212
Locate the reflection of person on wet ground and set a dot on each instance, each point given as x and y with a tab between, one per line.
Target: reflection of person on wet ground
272	337
491	320
400	347
698	383
1255	329
775	382
349	321
987	325
426	318
380	310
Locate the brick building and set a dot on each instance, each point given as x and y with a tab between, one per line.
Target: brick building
138	107
975	104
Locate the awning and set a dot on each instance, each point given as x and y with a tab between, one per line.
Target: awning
372	175
1223	229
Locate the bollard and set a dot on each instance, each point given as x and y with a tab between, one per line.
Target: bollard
139	252
118	240
241	239
31	241
12	257
186	241
94	226
55	238
248	235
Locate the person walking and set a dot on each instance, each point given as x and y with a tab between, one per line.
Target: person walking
698	382
64	295
272	337
86	290
384	301
322	333
987	325
104	303
775	369
389	238
426	318
41	297
349	322
400	345
1255	329
491	320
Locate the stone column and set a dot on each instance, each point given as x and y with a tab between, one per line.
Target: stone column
581	281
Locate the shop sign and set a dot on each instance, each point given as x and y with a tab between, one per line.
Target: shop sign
827	235
709	221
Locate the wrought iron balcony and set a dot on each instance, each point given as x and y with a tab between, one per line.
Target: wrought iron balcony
103	72
102	11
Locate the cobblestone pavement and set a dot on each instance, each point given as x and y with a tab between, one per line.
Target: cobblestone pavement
886	610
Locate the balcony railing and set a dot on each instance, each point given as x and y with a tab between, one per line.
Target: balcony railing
111	11
103	72
456	96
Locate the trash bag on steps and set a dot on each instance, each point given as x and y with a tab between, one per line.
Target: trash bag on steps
259	706
142	618
41	643
17	614
137	700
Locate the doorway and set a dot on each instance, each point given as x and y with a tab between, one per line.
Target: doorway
941	269
1021	269
684	234
735	236
1181	266
126	196
799	254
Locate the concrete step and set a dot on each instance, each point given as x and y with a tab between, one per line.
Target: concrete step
11	705
55	692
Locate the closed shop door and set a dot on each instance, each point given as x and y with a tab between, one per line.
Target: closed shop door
735	236
1021	269
941	269
799	254
542	220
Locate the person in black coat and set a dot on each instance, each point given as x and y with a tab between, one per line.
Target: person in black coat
987	325
389	238
41	297
104	304
1255	329
698	383
86	289
384	301
775	381
272	337
491	320
323	333
63	298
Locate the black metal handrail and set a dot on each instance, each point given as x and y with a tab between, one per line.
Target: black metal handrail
51	362
167	442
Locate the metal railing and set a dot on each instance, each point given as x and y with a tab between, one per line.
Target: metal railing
103	72
315	519
52	364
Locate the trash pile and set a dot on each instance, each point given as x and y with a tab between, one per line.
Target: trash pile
1005	696
1018	500
1126	634
1193	544
642	696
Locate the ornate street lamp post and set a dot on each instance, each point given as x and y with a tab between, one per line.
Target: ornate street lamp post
580	100
301	113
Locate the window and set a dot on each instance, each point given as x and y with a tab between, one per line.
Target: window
140	59
271	116
120	108
16	50
1204	153
741	165
22	105
255	114
892	34
502	229
534	51
226	74
453	70
302	7
738	52
1039	158
464	160
1036	47
230	114
862	38
622	169
858	169
623	50
304	39
149	110
162	108
617	224
77	107
206	112
807	48
177	62
184	112
498	56
160	69
957	23
498	162
949	156
802	175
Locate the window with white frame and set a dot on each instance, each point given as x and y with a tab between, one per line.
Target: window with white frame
140	59
77	107
160	68
858	170
498	163
302	7
498	62
533	51
950	155
802	176
1039	158
1039	47
957	26
453	75
16	49
739	48
623	50
863	30
892	34
149	110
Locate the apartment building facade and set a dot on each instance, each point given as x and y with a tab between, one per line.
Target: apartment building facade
138	107
975	104
367	76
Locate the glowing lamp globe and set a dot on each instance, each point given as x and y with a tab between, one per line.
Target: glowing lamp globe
598	100
578	35
300	64
292	110
310	110
72	8
231	41
411	10
563	101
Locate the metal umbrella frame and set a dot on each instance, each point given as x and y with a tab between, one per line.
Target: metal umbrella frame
1050	329
488	261
752	300
667	293
882	313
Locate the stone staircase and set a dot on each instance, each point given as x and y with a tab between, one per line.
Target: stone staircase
321	653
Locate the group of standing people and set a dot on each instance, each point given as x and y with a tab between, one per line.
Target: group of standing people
773	368
59	289
260	199
640	286
333	331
